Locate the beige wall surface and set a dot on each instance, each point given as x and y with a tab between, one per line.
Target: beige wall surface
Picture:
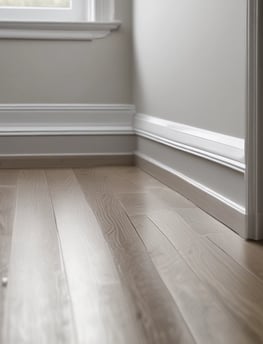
190	62
69	71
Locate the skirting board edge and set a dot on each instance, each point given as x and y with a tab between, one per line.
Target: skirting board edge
227	212
66	119
66	161
222	149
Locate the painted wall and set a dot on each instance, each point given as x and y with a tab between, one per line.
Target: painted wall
71	71
189	62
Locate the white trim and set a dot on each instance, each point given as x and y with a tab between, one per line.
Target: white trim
81	130
103	9
225	210
78	11
118	119
66	119
75	12
64	155
57	30
194	183
222	149
57	145
66	107
58	131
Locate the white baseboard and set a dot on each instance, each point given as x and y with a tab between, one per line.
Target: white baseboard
59	129
206	167
59	145
228	212
66	119
222	149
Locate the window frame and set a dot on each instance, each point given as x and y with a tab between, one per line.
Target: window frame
87	20
75	12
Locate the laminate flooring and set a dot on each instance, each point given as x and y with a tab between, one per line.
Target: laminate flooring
110	255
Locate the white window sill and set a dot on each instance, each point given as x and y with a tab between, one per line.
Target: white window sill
84	31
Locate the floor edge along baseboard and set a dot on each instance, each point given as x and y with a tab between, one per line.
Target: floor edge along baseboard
64	161
223	211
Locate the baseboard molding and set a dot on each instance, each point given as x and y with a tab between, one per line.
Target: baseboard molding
222	149
66	161
85	135
223	209
60	145
33	121
66	119
59	129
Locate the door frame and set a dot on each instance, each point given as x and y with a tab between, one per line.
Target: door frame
254	121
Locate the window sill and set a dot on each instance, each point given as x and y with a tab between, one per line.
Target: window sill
83	31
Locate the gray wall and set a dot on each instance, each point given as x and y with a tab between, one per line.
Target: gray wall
189	62
71	71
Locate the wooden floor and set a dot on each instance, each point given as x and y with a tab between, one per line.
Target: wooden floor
110	255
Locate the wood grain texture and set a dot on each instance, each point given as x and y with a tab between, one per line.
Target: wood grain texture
158	313
238	289
129	179
171	199
7	209
141	203
201	222
110	255
142	181
249	254
102	312
38	307
204	313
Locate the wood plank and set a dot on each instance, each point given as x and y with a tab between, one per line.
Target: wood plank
239	290
172	199
205	315
141	180
129	179
226	214
249	254
103	313
7	209
158	313
201	222
131	173
8	177
38	308
141	203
